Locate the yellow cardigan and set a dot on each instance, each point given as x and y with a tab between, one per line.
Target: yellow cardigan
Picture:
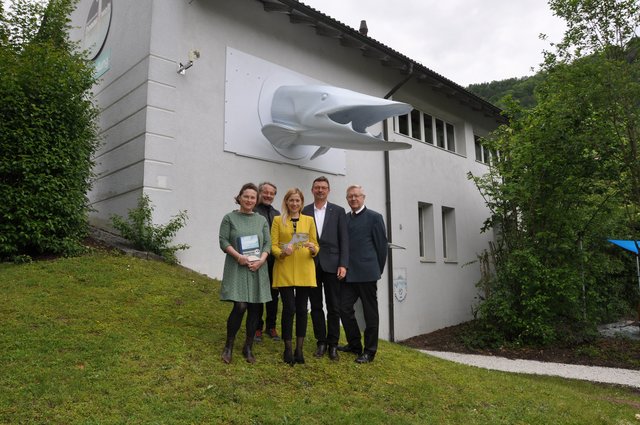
297	269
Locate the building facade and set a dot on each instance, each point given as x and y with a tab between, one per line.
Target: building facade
181	93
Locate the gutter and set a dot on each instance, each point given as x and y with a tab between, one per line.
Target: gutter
387	190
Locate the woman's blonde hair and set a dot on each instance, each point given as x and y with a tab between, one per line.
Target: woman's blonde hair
285	207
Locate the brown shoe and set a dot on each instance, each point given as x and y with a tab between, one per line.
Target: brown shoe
273	333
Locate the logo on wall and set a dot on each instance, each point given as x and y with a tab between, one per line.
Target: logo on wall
400	284
275	114
96	27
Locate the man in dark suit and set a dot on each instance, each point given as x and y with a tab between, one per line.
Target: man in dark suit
331	267
266	193
367	257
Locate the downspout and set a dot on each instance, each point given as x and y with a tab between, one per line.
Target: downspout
387	184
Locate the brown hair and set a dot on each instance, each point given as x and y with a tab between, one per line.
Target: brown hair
321	179
245	187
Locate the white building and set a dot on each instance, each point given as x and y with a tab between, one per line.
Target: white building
186	139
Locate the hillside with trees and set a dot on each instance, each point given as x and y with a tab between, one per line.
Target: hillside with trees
521	89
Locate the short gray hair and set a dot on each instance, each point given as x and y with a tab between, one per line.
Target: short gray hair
356	186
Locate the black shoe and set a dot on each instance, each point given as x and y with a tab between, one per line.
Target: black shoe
333	353
298	358
365	358
322	348
349	349
287	356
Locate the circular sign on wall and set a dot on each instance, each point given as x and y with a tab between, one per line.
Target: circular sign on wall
96	27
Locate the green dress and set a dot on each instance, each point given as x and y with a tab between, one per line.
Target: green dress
238	282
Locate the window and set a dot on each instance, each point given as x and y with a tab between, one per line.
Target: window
426	232
483	154
403	125
449	242
426	128
451	140
416	127
440	133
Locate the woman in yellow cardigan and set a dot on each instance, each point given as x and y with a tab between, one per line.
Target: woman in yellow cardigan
294	244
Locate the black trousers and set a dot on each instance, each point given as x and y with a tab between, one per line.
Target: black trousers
271	306
235	318
328	282
368	294
294	303
272	312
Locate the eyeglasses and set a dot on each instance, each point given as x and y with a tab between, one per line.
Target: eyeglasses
354	196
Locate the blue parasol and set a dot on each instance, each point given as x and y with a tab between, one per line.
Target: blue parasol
628	245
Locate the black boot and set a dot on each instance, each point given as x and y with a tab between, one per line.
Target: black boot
299	356
246	350
287	356
228	350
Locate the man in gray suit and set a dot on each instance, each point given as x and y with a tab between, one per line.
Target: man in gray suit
367	258
331	266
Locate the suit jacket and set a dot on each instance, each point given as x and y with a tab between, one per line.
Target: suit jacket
268	212
334	242
367	246
297	269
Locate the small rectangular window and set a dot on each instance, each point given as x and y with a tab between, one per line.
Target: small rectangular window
416	127
449	242
440	133
426	232
428	128
451	139
403	124
478	148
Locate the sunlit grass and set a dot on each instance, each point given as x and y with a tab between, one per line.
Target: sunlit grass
108	339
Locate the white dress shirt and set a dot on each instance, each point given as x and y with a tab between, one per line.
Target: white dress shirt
319	214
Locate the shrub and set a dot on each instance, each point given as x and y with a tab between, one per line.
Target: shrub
47	132
145	236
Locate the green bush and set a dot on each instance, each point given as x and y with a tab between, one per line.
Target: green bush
145	236
47	132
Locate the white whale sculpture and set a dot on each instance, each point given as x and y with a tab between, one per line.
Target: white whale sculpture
329	117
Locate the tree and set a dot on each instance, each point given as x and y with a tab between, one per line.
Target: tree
47	131
565	181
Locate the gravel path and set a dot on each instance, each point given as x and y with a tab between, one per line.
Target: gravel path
607	375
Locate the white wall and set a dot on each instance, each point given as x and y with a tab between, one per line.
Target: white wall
164	134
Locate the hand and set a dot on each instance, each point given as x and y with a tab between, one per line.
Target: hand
255	265
311	247
288	250
243	260
342	272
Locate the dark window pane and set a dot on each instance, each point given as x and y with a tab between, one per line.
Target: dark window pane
428	129
403	124
415	124
440	133
451	139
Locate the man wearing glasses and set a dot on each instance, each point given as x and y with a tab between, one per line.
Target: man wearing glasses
331	263
367	258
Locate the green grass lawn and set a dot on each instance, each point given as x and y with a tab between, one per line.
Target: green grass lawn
109	339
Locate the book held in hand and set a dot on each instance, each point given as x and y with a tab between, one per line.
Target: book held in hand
249	246
297	241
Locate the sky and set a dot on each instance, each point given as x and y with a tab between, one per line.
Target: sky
466	41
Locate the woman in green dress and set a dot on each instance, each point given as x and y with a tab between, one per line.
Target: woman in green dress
245	238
